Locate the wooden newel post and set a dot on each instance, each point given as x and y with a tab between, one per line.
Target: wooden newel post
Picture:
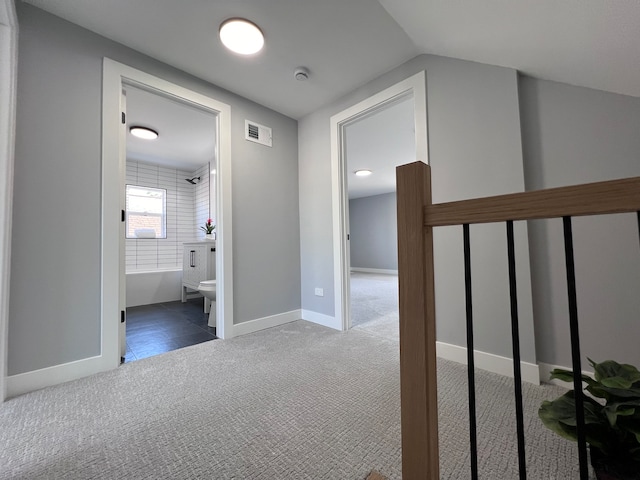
419	399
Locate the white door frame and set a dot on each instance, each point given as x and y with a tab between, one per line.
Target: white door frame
413	86
8	83
115	77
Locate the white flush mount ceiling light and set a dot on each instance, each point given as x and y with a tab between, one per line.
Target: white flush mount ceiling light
241	36
363	173
144	132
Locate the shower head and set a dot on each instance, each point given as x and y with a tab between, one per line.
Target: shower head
192	181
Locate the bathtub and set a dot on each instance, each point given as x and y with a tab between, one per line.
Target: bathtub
145	287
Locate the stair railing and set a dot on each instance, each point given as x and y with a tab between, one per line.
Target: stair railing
417	217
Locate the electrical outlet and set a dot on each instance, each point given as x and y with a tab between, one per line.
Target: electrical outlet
319	292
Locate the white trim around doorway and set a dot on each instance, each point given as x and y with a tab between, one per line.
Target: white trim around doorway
413	86
8	83
115	77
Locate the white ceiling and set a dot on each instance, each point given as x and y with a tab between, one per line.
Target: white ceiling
186	135
380	142
346	43
590	43
187	139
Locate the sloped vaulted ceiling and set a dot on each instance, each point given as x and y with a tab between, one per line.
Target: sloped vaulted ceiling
589	43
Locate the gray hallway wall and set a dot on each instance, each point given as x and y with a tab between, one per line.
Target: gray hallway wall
374	232
56	216
569	135
475	150
577	135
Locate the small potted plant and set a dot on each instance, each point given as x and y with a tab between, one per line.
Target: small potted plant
208	228
612	418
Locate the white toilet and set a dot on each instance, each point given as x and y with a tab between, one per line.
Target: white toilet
208	290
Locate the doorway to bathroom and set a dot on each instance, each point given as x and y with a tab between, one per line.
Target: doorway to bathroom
156	255
169	199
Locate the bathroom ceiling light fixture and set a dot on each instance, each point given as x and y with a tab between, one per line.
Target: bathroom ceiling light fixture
241	36
363	173
144	132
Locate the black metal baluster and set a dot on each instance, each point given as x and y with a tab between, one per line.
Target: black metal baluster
470	360
638	225
515	342
575	348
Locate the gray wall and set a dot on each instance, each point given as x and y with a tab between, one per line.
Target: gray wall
54	307
374	232
576	135
475	149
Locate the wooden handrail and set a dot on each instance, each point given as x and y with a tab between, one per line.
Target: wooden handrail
418	382
614	196
417	217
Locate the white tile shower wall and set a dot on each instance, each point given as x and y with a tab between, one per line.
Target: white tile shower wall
153	254
202	200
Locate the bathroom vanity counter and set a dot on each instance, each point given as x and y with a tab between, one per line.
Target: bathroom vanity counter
198	264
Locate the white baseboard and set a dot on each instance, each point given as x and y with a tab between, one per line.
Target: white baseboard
489	362
266	322
46	377
374	270
321	319
545	372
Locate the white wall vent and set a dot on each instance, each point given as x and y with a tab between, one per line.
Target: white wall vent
254	132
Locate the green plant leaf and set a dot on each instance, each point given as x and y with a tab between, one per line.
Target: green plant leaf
613	428
630	423
637	435
614	375
616	394
596	390
559	416
561	374
563	410
567	376
593	387
615	410
592	411
548	413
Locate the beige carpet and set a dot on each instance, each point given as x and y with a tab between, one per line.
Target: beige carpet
294	402
374	304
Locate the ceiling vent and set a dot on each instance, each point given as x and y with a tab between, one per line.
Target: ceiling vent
254	132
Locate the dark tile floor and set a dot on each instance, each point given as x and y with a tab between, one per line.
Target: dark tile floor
162	327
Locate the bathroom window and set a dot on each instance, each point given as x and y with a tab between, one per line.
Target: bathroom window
146	212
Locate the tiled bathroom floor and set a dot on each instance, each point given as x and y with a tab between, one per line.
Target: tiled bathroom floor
162	327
